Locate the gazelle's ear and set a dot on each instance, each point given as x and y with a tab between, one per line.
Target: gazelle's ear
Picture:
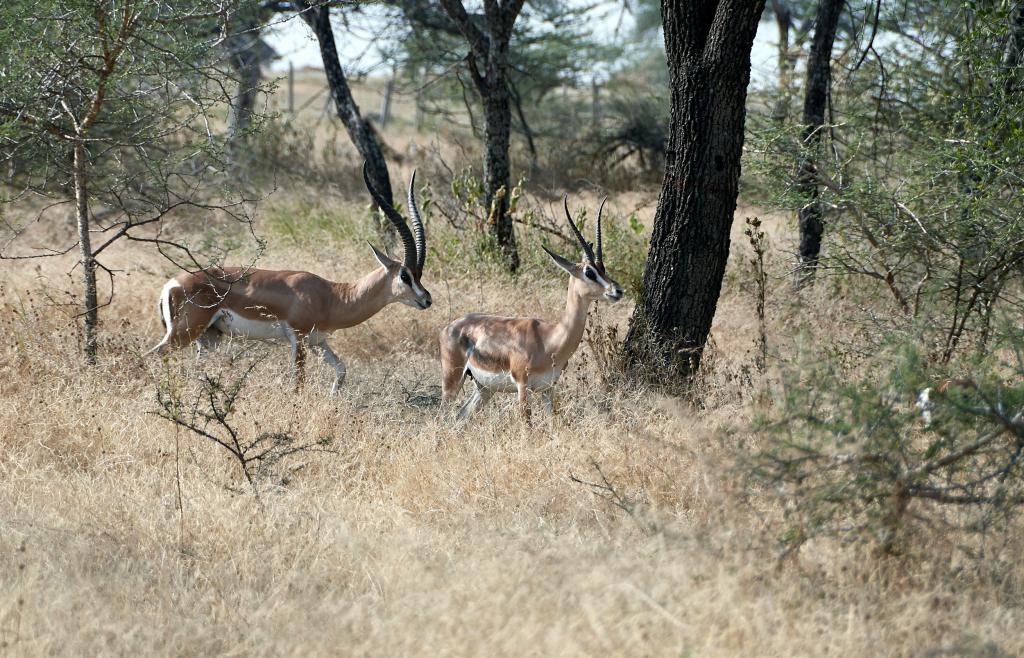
381	257
565	264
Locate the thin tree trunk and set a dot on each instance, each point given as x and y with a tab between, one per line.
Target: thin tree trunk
819	76
490	51
784	21
494	92
497	177
319	20
517	102
1013	51
708	48
88	261
243	47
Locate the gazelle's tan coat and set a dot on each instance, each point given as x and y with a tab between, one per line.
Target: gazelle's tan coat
299	307
524	354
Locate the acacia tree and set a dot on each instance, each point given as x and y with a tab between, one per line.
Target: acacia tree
707	43
488	62
551	50
107	106
318	17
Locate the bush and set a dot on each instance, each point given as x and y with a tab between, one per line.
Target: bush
879	458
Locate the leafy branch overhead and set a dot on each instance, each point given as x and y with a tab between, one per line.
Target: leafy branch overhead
108	110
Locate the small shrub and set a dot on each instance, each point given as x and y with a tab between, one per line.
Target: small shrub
210	414
856	459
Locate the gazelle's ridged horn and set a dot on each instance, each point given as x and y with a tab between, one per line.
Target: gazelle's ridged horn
587	249
599	260
399	223
417	226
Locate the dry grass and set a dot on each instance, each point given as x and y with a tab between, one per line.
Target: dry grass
415	538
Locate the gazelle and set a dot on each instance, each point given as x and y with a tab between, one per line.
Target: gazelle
525	354
297	307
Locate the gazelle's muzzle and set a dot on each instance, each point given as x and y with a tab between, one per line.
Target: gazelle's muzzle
613	294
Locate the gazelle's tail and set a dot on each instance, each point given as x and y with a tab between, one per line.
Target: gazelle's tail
164	309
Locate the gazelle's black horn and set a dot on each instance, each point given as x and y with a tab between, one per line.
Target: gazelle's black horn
396	220
587	249
417	226
599	260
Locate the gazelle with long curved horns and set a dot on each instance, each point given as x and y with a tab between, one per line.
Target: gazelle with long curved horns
297	307
525	354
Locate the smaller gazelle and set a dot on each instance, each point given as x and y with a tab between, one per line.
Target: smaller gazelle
525	354
297	307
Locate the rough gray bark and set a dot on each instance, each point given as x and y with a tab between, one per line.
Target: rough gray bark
488	66
319	20
819	78
91	313
708	44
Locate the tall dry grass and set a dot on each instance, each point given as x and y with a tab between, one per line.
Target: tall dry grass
414	537
120	534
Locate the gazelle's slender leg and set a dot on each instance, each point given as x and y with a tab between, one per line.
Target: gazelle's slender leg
479	398
332	360
300	365
298	344
453	364
548	398
524	401
207	342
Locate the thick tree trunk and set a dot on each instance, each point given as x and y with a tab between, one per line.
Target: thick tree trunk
319	20
819	77
708	48
243	49
85	244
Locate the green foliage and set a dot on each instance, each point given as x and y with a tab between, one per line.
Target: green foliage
635	126
872	458
307	223
550	47
921	168
142	85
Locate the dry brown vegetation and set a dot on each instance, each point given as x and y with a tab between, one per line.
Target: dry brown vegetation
121	535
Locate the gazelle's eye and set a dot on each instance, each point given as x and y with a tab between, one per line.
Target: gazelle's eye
404	276
589	273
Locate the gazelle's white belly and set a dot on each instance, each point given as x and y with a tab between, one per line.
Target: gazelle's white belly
233	324
502	381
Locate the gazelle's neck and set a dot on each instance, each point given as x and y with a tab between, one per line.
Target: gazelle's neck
357	302
568	333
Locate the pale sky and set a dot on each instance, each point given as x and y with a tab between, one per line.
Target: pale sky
360	44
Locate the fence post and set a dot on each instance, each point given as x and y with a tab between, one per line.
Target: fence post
291	87
385	103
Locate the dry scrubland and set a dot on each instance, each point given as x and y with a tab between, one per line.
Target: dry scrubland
415	538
